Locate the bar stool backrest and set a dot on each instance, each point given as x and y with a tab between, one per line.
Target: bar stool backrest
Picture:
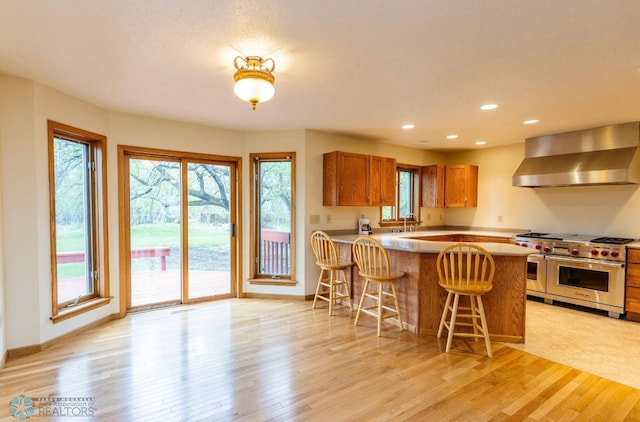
371	257
324	249
465	266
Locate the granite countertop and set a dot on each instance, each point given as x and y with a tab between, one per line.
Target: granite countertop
404	241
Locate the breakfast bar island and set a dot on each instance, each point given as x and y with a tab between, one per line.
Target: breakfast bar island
421	297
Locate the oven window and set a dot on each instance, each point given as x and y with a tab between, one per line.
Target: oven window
587	279
532	270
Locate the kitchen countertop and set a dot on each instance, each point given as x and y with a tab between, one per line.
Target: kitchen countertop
404	241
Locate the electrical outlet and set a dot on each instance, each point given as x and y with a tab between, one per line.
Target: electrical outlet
441	217
314	219
328	218
499	219
428	217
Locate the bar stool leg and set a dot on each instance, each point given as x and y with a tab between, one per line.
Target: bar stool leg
380	308
474	315
332	292
452	322
485	330
346	287
445	314
364	291
315	298
395	301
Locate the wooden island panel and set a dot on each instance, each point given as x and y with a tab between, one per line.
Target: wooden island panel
422	299
504	305
407	287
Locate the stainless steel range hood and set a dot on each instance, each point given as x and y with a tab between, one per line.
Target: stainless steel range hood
607	155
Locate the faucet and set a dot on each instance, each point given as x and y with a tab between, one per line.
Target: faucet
404	224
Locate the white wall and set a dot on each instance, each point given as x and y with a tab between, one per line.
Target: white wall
3	284
597	210
20	244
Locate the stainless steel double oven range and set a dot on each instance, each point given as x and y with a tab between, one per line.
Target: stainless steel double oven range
582	270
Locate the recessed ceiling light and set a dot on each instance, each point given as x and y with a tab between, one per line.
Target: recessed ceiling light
408	126
480	142
491	106
531	121
423	142
452	136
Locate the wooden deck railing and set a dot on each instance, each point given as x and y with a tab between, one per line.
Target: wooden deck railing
162	252
275	252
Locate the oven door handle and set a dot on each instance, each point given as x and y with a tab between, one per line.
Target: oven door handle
586	261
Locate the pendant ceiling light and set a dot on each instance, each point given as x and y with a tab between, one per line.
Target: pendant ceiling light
254	79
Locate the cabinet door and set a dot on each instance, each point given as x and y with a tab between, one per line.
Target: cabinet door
382	181
433	186
633	300
345	179
461	186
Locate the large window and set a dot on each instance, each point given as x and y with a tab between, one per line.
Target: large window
407	197
78	216
272	217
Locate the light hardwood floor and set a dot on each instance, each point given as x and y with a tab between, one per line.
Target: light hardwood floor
270	360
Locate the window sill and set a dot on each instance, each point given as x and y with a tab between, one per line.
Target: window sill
395	223
80	309
272	282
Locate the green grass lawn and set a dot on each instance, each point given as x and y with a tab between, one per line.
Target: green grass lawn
71	239
149	235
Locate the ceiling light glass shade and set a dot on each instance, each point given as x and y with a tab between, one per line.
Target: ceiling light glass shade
254	79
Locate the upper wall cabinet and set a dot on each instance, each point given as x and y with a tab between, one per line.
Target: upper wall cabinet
433	186
453	186
358	179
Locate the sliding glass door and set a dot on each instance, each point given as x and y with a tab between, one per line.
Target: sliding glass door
179	228
208	230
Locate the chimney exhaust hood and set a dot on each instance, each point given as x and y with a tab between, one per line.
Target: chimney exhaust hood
607	155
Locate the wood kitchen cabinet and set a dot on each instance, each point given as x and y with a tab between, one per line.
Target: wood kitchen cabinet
451	186
433	186
632	303
382	181
358	179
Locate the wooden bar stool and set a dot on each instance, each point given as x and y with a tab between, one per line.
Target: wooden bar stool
373	262
465	269
331	286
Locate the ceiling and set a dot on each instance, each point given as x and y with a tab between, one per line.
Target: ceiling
358	67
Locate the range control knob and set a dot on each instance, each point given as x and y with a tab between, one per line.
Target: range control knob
538	247
604	253
615	254
574	252
594	252
546	249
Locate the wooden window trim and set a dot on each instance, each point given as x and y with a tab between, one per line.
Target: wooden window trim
395	222
98	147
265	279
